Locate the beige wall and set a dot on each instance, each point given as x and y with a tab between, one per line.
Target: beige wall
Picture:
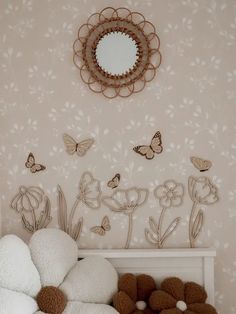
191	101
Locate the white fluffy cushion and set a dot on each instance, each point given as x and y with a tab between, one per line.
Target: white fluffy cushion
17	271
54	253
12	302
83	308
51	259
92	280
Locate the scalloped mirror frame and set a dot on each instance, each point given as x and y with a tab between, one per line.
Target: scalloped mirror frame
133	24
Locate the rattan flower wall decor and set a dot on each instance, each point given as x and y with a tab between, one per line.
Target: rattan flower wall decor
117	52
27	202
202	193
89	194
169	194
126	201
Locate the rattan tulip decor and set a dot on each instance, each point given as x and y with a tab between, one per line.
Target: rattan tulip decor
134	28
202	193
33	206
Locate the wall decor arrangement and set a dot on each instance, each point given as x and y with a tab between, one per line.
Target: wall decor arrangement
169	194
202	193
149	151
89	194
191	101
117	52
126	201
32	165
27	202
80	148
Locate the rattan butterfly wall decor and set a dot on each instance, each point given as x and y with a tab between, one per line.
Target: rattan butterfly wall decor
200	163
105	226
32	165
114	182
149	151
72	146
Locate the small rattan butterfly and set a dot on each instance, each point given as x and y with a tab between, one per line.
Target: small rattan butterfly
30	163
80	148
105	226
114	182
149	151
201	164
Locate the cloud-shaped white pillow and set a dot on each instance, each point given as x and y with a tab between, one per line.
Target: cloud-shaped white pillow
51	260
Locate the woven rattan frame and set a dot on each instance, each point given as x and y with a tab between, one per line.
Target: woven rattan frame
148	55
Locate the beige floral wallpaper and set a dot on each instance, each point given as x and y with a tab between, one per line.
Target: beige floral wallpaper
191	102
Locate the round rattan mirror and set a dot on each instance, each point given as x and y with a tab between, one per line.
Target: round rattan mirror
117	52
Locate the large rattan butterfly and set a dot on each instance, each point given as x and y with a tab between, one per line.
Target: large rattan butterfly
114	182
105	226
149	151
30	163
201	164
80	148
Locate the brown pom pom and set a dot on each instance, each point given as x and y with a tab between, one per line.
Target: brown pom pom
160	300
128	284
202	308
194	293
175	311
145	286
123	303
148	311
174	286
51	300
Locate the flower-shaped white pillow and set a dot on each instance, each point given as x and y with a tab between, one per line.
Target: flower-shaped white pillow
47	278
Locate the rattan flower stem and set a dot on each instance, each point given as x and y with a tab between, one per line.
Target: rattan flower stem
130	229
160	222
191	221
72	214
34	219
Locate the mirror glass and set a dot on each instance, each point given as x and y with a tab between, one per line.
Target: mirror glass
116	53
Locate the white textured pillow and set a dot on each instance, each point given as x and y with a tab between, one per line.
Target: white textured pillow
17	272
92	280
51	259
54	253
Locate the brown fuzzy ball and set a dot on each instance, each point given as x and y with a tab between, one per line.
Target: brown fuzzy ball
51	300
